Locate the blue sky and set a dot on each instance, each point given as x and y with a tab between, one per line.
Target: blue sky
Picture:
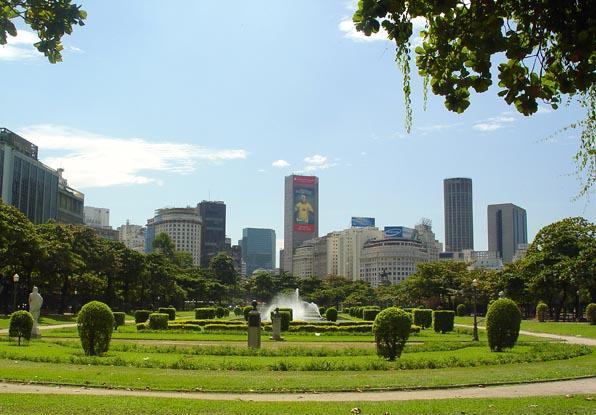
158	105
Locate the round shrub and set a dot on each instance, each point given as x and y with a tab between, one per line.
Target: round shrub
142	316
220	312
95	324
237	311
461	310
443	320
391	329
246	310
423	317
331	314
205	313
170	311
119	318
503	320
541	312
289	310
158	321
591	313
322	311
21	323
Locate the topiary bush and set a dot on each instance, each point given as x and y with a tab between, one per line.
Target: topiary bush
289	310
220	312
142	316
331	314
237	311
322	311
95	324
285	319
119	319
158	321
423	317
21	323
591	313
503	320
170	311
443	320
391	329
541	312
245	311
205	313
370	313
461	310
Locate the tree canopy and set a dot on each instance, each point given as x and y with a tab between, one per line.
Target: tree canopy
51	19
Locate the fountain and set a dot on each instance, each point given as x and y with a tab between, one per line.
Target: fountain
302	310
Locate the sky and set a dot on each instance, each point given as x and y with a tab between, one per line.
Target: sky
161	104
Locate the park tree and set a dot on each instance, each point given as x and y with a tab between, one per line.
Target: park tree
547	50
222	268
163	244
51	19
561	261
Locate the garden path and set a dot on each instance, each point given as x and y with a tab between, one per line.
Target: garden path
569	339
559	388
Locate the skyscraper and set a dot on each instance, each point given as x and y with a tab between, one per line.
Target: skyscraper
258	249
459	218
213	236
507	228
301	214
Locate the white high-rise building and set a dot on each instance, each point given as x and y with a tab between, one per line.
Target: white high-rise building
182	225
133	236
350	246
96	217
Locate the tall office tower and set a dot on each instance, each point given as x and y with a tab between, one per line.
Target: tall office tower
97	217
133	236
213	236
25	182
507	229
459	218
182	225
258	249
301	214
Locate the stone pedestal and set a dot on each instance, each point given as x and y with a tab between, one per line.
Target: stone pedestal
254	327
35	332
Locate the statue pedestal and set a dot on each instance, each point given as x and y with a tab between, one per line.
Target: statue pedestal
254	327
35	332
276	328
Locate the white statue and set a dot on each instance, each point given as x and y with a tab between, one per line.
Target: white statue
35	302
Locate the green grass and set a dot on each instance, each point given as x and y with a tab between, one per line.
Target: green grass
230	380
18	404
43	320
561	328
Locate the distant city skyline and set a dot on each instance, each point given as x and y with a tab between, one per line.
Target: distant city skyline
181	116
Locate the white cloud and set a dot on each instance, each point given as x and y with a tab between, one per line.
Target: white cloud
280	164
436	128
318	162
544	110
494	123
20	47
94	160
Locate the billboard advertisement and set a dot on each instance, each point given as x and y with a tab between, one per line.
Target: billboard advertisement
400	232
360	222
304	203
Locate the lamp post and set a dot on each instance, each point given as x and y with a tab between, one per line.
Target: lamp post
578	313
474	286
15	280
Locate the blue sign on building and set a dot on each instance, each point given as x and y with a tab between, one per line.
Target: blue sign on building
359	222
399	232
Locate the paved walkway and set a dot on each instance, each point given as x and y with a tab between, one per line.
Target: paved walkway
568	339
570	387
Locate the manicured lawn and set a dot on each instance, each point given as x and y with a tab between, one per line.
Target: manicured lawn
233	380
18	404
561	328
43	320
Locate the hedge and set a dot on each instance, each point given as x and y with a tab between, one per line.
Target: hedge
205	313
119	319
237	311
20	325
158	321
369	313
95	324
225	327
541	312
170	311
443	320
289	310
503	320
286	317
423	317
461	310
391	329
220	312
142	316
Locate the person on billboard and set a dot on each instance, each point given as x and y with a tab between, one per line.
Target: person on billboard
303	208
